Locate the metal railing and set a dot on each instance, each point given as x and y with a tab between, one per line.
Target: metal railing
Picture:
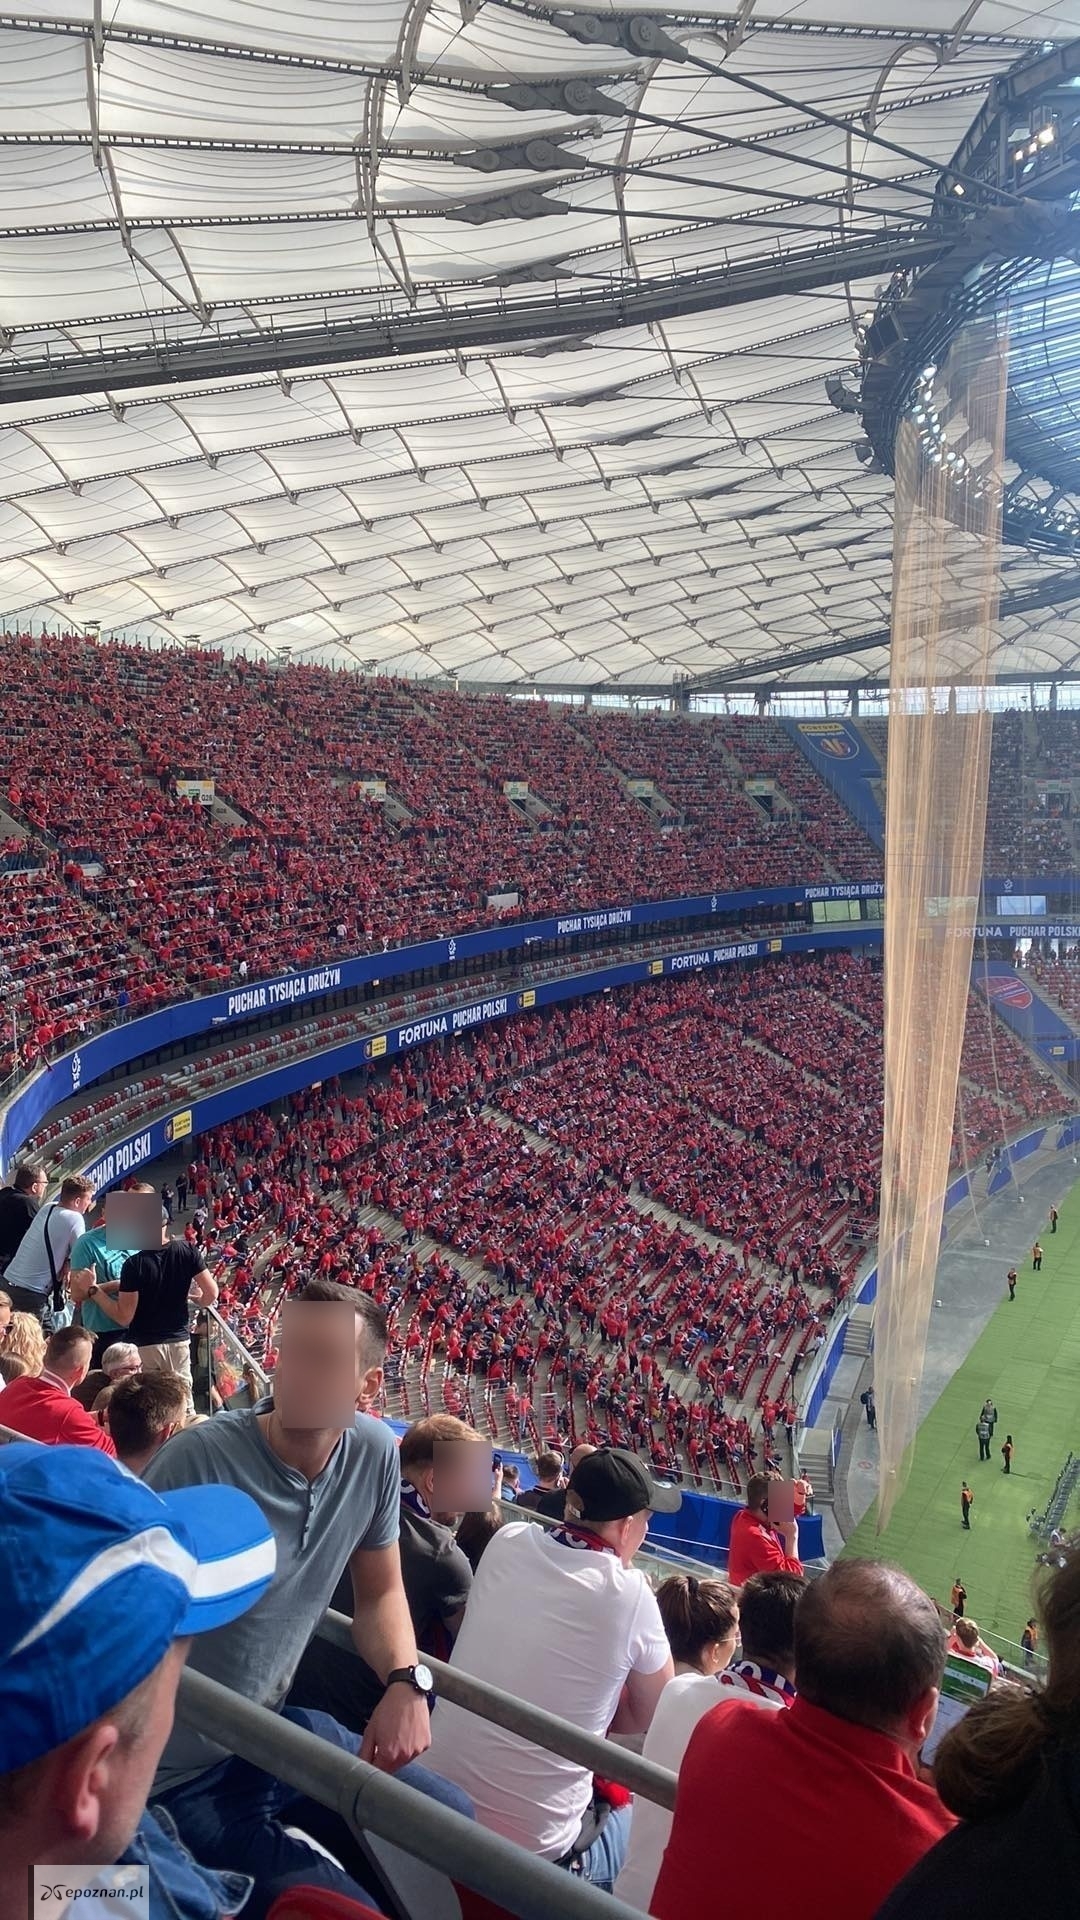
372	1802
545	1729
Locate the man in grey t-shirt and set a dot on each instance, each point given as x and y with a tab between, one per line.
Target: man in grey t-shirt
331	1496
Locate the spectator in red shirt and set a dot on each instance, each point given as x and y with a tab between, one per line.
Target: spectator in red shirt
869	1653
758	1545
41	1407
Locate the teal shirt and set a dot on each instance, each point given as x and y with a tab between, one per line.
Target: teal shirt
90	1251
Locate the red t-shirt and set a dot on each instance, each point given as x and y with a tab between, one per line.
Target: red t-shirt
43	1409
754	1547
819	1805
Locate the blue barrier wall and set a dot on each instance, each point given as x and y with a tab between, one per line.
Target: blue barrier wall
66	1075
1020	1004
80	1068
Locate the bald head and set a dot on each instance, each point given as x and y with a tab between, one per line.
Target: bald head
869	1646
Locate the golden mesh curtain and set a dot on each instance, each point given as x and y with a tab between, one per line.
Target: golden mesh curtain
947	544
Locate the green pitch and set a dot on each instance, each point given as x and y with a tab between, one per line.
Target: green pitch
1028	1360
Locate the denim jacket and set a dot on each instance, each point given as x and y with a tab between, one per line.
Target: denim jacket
179	1888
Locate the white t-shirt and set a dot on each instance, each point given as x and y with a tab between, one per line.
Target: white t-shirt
29	1266
561	1628
684	1701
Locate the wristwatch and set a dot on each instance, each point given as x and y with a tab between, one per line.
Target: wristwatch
419	1678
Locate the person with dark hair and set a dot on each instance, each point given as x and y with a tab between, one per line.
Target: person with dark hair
551	1504
549	1468
765	1670
144	1410
153	1304
94	1263
475	1533
41	1405
511	1482
701	1620
1007	1452
36	1271
757	1544
19	1203
435	1572
1010	1769
11	1368
967	1500
869	1655
331	1492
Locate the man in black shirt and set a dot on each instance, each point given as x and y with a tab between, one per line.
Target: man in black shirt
550	1471
157	1289
553	1504
435	1573
18	1205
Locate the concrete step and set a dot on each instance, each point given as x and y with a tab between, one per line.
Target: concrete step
859	1332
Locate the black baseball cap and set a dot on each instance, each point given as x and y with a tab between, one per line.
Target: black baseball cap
613	1483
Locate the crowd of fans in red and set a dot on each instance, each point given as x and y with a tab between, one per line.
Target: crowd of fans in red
125	896
1025	835
158	898
631	1220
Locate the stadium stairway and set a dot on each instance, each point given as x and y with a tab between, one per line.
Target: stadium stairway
859	1332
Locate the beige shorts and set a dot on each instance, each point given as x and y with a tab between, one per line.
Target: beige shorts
171	1356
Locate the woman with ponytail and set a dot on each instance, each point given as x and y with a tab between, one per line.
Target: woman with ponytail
701	1620
1011	1770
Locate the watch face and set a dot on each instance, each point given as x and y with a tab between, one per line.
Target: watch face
425	1678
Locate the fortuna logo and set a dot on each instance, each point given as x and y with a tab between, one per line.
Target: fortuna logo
76	1072
1007	988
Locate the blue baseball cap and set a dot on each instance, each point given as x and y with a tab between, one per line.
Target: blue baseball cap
101	1575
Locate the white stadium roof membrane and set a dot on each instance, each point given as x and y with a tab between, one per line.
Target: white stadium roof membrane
584	505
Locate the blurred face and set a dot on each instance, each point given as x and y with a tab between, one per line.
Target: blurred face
460	1479
5	1315
321	1373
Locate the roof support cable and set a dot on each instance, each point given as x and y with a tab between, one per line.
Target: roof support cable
725	72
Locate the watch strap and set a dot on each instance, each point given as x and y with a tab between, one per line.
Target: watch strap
409	1676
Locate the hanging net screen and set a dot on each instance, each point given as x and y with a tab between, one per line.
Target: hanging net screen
947	546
